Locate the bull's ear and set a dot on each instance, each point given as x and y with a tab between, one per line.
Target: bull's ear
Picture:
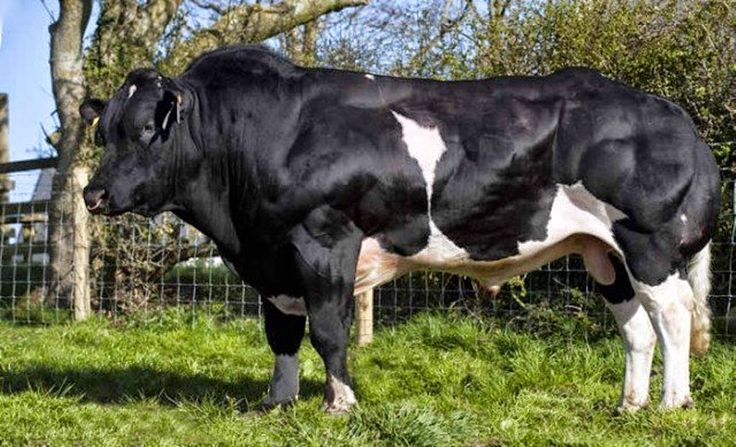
169	109
91	109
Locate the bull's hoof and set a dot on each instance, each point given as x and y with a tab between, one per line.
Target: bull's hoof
672	403
627	408
337	408
272	403
339	397
631	405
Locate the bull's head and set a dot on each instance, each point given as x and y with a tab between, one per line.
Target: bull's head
138	129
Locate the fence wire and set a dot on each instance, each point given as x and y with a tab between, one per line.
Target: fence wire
143	265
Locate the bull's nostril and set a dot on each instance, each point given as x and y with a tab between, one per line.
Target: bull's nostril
97	204
95	198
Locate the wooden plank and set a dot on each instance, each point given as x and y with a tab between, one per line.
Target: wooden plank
28	165
364	317
13	212
27	219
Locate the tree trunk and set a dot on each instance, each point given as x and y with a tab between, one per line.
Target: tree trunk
68	86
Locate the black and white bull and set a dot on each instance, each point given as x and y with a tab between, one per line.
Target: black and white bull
316	184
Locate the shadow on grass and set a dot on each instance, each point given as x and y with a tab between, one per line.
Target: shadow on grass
118	386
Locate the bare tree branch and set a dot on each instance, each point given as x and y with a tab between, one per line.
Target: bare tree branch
309	43
446	25
209	5
253	23
499	9
48	11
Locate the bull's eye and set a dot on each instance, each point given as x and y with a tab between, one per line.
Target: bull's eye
148	132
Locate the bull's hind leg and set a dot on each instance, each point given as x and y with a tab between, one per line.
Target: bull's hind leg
638	337
656	271
669	305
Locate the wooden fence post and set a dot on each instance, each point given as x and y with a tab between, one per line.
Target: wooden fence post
80	267
5	184
364	317
4	147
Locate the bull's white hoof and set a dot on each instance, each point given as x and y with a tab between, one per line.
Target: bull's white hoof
673	401
632	402
337	408
627	406
339	397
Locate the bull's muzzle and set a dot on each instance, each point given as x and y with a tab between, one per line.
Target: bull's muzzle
95	198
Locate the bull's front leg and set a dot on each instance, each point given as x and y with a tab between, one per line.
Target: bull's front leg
329	329
284	333
326	258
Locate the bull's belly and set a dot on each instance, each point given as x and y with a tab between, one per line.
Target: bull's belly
579	223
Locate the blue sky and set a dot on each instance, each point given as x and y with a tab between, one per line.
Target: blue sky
24	73
25	76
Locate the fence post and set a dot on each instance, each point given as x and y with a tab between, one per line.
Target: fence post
4	148
5	183
80	266
364	317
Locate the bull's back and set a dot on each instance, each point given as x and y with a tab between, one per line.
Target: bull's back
481	162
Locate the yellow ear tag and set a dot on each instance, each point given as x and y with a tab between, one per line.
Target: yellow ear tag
95	121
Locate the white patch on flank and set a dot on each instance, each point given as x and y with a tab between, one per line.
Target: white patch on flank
370	77
639	341
289	305
132	90
576	210
683	218
338	396
426	146
669	305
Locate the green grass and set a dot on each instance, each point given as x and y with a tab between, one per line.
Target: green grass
435	381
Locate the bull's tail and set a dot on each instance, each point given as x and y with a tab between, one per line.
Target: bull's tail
698	275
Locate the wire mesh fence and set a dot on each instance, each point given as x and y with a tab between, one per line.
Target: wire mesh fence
142	265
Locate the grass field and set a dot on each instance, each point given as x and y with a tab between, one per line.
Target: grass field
434	381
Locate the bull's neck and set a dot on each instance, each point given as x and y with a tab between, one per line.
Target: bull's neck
207	208
203	198
241	159
220	199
